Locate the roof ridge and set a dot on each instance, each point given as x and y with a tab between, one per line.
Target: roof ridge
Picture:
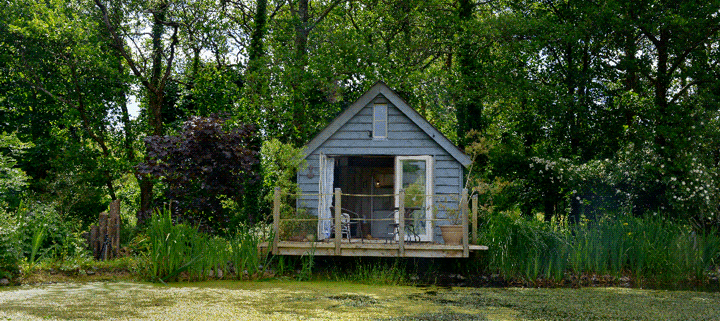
378	88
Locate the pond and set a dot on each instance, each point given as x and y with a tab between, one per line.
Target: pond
291	300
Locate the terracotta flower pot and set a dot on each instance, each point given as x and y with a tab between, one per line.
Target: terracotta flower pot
451	234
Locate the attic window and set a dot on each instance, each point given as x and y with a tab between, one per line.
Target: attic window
380	121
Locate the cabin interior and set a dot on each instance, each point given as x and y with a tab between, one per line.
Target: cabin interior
367	175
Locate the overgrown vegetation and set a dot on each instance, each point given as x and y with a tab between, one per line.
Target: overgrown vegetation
35	232
373	272
652	249
180	252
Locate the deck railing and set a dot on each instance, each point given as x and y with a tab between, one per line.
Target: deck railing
468	216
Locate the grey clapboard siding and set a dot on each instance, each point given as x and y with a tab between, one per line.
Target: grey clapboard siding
404	138
367	135
353	137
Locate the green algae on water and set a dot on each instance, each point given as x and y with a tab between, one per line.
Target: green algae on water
293	300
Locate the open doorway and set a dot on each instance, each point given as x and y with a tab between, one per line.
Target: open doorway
370	181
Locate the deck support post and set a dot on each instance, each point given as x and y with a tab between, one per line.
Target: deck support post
464	212
474	219
276	220
401	223
338	212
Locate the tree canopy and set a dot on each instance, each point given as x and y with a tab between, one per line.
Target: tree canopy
581	107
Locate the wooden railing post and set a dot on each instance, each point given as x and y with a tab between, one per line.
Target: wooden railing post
276	220
338	212
464	213
401	223
475	218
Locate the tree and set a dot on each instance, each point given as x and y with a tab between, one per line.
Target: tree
667	62
153	77
62	59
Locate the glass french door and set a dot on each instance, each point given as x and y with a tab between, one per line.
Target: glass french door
414	174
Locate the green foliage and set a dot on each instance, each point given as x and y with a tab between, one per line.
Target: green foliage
128	193
76	194
38	237
34	232
298	226
652	249
42	231
213	91
9	256
378	273
245	257
180	251
174	248
307	262
62	88
12	179
582	108
280	164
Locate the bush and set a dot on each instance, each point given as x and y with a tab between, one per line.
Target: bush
280	165
43	232
12	180
36	231
9	257
204	165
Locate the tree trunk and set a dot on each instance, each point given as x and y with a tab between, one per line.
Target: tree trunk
156	88
254	77
154	83
662	80
256	50
631	81
469	109
156	95
299	76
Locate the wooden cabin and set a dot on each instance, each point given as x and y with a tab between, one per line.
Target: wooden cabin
379	153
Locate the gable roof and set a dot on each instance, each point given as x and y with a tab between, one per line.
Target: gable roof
381	88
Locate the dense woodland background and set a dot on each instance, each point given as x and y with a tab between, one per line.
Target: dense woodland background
576	107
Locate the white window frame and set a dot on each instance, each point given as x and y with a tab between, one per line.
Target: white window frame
377	135
429	189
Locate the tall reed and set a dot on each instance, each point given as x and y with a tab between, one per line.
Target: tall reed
245	255
645	248
37	240
172	247
179	249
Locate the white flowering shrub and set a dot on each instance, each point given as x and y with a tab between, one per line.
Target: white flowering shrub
683	187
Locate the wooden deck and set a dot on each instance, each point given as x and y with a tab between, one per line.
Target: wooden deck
399	247
376	249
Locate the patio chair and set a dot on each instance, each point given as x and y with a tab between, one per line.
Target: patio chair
348	219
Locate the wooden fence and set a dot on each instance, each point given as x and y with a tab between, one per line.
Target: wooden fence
104	237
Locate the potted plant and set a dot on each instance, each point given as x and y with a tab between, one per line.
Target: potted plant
452	233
